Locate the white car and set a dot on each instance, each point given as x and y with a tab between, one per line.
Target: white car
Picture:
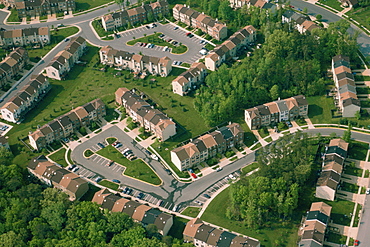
232	177
154	157
165	48
368	192
203	52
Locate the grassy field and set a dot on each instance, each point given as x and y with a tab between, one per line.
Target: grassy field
358	150
82	5
13	17
361	15
109	184
332	3
137	169
59	157
341	211
216	211
249	168
191	211
99	29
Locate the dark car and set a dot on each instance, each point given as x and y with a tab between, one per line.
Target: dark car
116	181
148	152
162	35
175	28
98	179
168	171
71	167
100	145
140	195
206	196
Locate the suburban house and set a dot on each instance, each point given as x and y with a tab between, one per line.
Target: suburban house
276	111
13	64
24	37
298	21
4	142
64	61
67	124
143	113
25	99
349	3
207	146
136	63
262	4
33	8
60	178
229	48
315	225
332	167
146	12
346	95
190	79
190	17
201	234
141	213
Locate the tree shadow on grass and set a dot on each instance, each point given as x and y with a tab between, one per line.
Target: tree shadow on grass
314	110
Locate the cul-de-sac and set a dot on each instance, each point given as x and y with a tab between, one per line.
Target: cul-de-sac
179	123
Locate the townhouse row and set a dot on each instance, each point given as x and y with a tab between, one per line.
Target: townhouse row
34	8
13	64
146	12
207	146
54	175
190	79
332	167
134	62
190	17
229	48
348	102
64	61
143	113
67	124
144	214
24	37
25	99
276	111
315	225
201	234
299	21
262	4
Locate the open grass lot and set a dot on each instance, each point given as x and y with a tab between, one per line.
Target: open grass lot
137	169
341	211
13	17
59	157
332	3
109	184
361	15
216	211
191	211
249	168
82	5
99	29
358	150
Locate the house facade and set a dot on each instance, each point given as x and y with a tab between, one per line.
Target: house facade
298	21
190	17
190	79
64	61
67	124
25	37
33	8
276	111
135	62
146	12
229	48
262	4
207	146
13	64
25	99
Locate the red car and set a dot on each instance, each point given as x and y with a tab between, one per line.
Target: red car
193	175
187	34
357	242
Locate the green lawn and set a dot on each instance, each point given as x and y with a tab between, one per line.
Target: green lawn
357	219
353	188
13	17
269	139
341	210
82	5
154	39
137	169
263	132
335	238
191	211
352	170
361	15
88	153
247	169
109	184
59	157
216	214
358	150
332	3
110	140
363	90
99	29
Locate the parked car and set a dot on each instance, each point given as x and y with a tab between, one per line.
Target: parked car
154	157
219	169
147	27
206	196
71	167
111	162
187	34
100	145
98	179
116	181
119	145
232	177
140	195
67	39
161	36
289	124
168	171
193	175
147	152
165	48
357	243
175	28
190	170
368	192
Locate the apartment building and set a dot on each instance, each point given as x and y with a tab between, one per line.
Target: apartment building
143	113
144	214
58	177
262	4
201	234
207	146
276	111
190	17
136	63
64	61
33	8
27	98
67	124
229	48
13	64
25	37
298	21
346	96
190	79
146	12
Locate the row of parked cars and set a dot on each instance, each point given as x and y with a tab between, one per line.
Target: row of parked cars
147	45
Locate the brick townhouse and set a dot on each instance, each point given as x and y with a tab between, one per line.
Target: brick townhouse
229	48
190	17
140	213
33	8
13	64
346	96
24	37
64	61
190	79
262	4
25	99
135	15
276	111
207	146
67	124
143	113
298	21
135	62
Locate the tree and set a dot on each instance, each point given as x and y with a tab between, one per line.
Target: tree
128	3
5	156
358	115
83	131
347	133
225	12
305	10
318	17
274	92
